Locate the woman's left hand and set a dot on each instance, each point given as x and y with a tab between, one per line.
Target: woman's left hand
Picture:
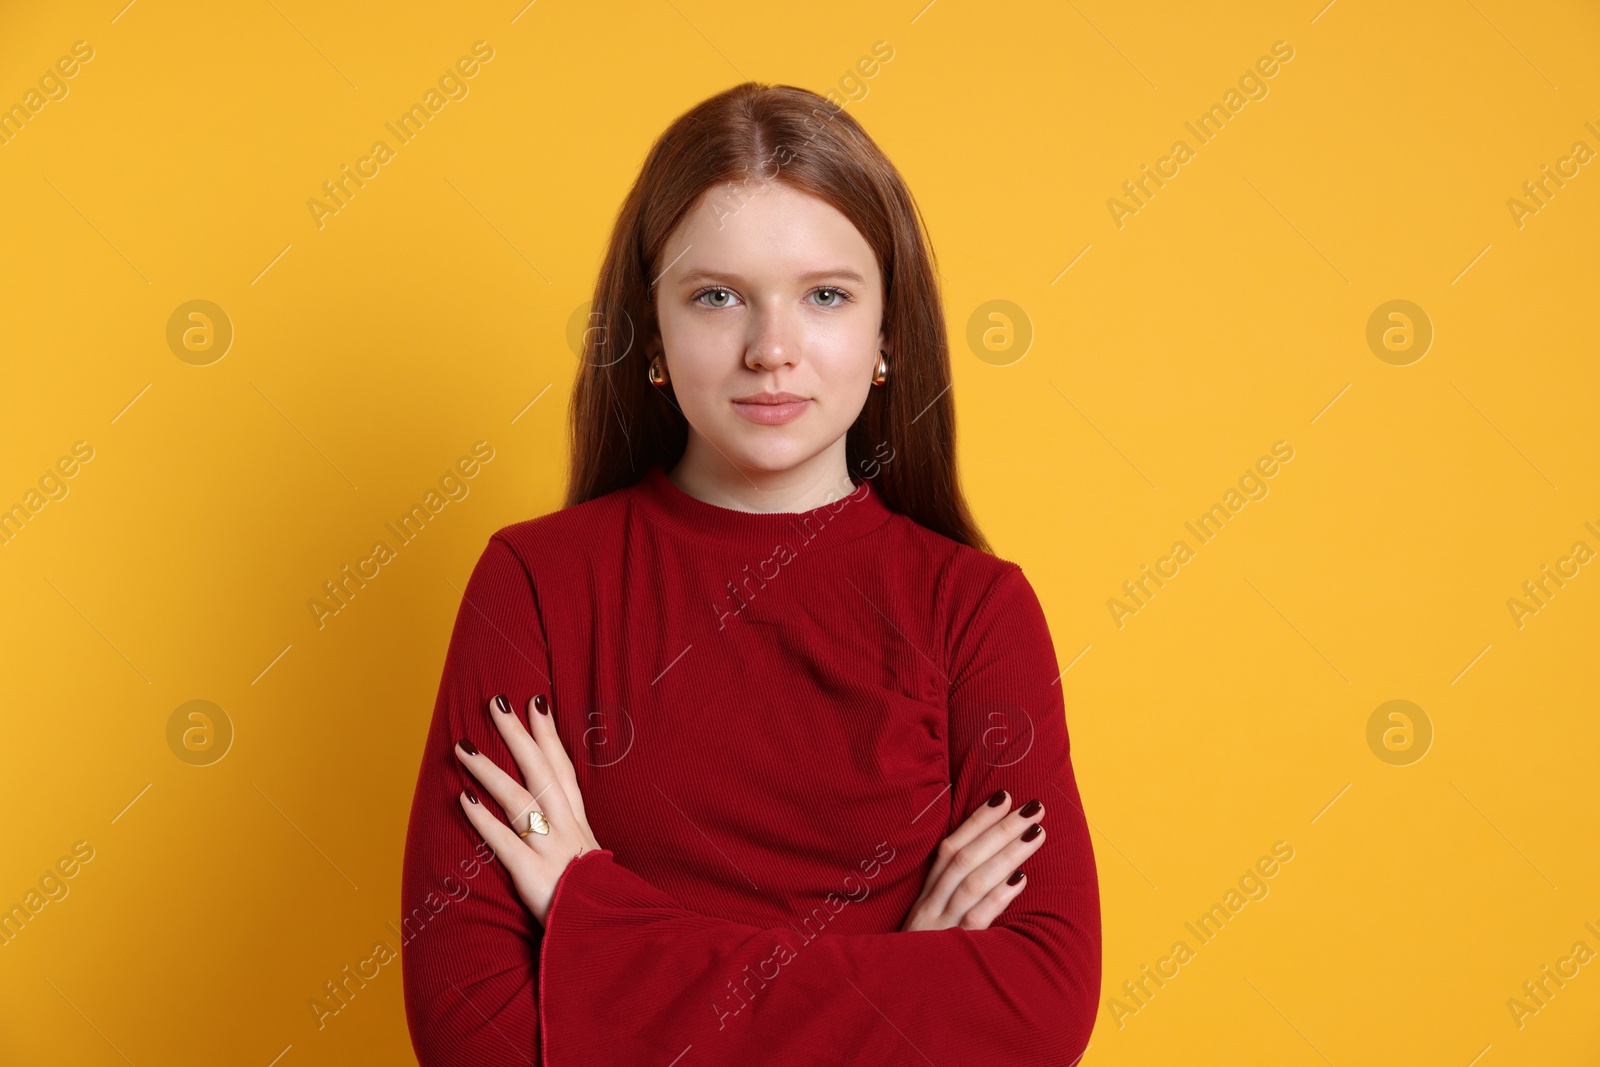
534	860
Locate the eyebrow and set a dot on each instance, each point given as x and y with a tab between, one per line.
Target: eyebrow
701	274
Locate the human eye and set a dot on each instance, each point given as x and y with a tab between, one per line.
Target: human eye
713	290
837	296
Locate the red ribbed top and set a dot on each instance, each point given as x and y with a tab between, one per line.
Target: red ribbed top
775	718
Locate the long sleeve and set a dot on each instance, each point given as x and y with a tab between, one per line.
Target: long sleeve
469	944
627	976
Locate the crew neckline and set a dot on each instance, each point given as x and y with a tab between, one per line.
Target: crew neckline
842	520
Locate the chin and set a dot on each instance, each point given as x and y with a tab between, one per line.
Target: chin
771	456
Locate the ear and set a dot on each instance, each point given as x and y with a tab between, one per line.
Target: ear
650	338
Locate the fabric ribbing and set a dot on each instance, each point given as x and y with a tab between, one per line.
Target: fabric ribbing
770	745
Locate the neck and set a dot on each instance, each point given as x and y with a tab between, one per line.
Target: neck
706	474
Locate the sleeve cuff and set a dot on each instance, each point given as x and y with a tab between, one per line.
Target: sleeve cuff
586	863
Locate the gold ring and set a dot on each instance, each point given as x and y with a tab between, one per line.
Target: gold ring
537	824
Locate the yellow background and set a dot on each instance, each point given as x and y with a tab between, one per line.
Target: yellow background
429	313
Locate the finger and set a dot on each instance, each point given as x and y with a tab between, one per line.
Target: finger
541	784
982	914
980	820
992	874
509	793
1004	831
974	825
1002	835
527	748
542	720
522	745
508	847
532	880
1012	857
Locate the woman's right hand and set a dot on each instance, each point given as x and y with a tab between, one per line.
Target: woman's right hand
971	881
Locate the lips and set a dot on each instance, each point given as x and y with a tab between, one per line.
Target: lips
768	398
771	409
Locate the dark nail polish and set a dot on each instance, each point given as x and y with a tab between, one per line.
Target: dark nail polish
468	747
541	705
502	705
472	798
1016	876
998	798
1030	809
1032	832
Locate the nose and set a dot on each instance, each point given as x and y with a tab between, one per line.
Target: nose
774	343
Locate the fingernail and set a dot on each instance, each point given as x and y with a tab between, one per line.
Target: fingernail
998	798
1032	832
1016	876
540	704
472	798
1030	809
468	747
502	704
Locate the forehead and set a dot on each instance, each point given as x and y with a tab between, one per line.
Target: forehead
765	230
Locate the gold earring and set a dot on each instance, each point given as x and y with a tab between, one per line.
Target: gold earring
658	372
882	373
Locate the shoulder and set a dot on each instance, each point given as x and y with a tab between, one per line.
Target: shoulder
566	535
525	561
971	590
992	617
962	576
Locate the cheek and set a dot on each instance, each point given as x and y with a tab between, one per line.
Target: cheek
843	376
699	359
843	361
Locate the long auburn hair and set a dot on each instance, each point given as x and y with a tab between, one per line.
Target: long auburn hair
621	425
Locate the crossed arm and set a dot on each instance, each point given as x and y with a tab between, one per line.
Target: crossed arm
619	973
